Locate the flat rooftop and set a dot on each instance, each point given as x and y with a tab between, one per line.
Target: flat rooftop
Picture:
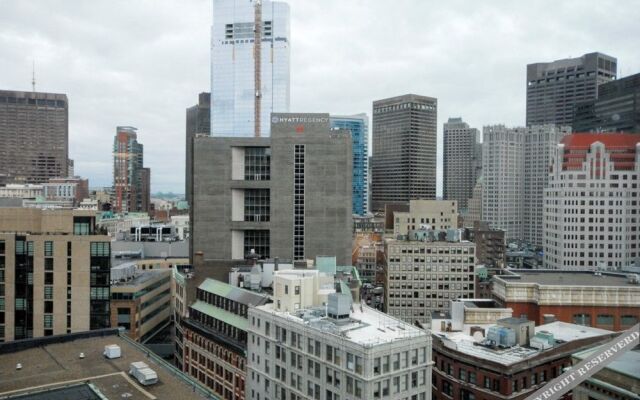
48	368
143	276
566	278
365	326
628	364
465	343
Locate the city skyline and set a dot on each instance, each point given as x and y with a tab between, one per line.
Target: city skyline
109	79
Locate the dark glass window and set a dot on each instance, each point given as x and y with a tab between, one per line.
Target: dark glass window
257	163
257	205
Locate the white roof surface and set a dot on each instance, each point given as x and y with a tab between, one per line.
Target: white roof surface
463	342
366	326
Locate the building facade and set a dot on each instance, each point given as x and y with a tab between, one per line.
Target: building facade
130	178
515	172
358	125
617	108
606	301
286	197
423	275
540	145
298	349
73	188
490	244
198	122
591	203
141	301
555	88
467	366
34	130
214	337
462	161
503	177
21	191
428	214
474	205
54	276
618	380
404	150
250	46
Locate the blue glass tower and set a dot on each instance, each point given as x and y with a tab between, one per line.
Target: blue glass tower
359	126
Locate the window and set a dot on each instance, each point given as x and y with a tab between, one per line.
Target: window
257	163
605	320
100	249
48	249
257	205
582	319
258	240
628	320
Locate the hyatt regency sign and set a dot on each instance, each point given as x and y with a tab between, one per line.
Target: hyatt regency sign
589	366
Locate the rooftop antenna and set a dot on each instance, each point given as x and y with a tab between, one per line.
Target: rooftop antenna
33	76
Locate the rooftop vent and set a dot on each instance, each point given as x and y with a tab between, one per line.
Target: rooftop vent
18	366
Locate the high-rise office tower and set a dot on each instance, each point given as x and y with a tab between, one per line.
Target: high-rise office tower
462	161
503	179
515	169
249	66
198	122
591	203
34	132
555	88
55	271
131	182
287	196
404	150
539	148
617	108
358	125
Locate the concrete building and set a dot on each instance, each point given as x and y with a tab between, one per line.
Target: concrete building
302	349
358	125
617	108
555	88
198	122
73	366
591	203
474	205
462	161
503	178
140	300
404	150
515	172
21	191
213	342
286	197
425	272
618	380
430	214
250	46
607	301
34	132
490	244
130	178
72	188
54	273
540	145
508	360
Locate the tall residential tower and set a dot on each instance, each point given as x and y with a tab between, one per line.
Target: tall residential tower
131	182
462	161
249	66
404	150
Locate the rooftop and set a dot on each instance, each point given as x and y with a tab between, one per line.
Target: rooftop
54	363
565	278
234	293
141	277
365	326
628	364
465	343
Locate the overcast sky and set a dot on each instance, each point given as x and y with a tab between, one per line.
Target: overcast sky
142	62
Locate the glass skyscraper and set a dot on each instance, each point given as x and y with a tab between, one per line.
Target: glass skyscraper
237	89
359	127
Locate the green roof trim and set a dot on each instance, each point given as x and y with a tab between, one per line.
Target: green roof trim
216	287
221	315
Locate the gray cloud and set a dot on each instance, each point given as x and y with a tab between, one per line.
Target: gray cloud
143	62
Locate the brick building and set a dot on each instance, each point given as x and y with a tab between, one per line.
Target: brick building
602	300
